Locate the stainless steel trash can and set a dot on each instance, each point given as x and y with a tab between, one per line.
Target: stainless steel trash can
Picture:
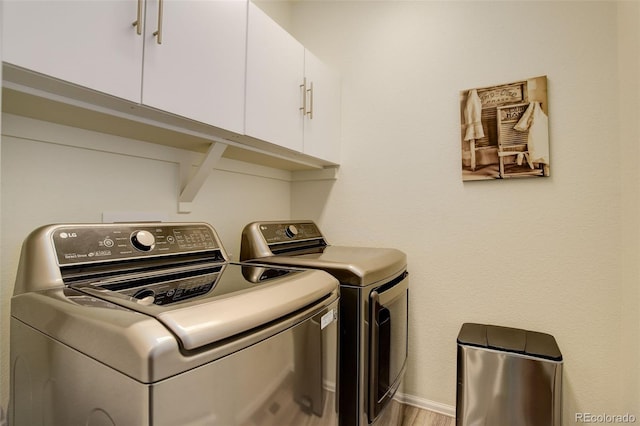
508	377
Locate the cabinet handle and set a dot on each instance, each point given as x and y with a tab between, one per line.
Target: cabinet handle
303	88
310	91
138	22
158	32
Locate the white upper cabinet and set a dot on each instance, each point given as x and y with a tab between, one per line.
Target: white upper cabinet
197	70
292	98
220	69
91	43
322	124
275	74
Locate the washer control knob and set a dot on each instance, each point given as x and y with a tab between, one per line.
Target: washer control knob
147	301
291	231
143	240
145	297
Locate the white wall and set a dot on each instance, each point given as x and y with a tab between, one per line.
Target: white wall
549	254
44	180
559	255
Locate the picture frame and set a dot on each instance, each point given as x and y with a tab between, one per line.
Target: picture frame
505	131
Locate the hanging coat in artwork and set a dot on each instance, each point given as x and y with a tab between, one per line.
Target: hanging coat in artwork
473	116
535	120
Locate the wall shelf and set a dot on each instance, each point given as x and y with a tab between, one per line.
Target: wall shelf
32	95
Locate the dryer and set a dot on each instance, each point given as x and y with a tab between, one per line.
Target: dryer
374	298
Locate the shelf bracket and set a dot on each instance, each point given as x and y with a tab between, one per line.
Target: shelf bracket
193	183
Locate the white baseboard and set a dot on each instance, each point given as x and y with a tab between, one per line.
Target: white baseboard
425	404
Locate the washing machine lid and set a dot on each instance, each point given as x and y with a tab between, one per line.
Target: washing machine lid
220	303
357	266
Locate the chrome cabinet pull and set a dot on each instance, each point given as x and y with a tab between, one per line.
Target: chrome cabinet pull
303	88
310	91
158	33
138	22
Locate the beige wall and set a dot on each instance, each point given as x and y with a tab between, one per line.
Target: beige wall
629	122
558	255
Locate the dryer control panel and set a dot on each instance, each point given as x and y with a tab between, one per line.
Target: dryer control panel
291	231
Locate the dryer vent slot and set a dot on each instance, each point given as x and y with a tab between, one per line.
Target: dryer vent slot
299	247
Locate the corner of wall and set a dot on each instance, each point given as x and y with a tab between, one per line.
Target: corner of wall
4	387
629	111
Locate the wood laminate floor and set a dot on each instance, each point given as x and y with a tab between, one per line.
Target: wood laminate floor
414	416
281	408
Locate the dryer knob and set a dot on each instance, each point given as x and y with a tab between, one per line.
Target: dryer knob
143	240
291	231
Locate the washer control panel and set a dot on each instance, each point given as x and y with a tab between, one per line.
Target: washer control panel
86	244
275	233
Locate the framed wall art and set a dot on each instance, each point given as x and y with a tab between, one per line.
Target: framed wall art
505	130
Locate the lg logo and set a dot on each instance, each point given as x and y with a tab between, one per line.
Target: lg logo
68	235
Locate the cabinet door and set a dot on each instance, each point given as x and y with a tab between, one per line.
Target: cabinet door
91	42
322	124
275	73
199	69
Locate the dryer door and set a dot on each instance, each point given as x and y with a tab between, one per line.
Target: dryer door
388	314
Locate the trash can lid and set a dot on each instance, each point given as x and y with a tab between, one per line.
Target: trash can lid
525	342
